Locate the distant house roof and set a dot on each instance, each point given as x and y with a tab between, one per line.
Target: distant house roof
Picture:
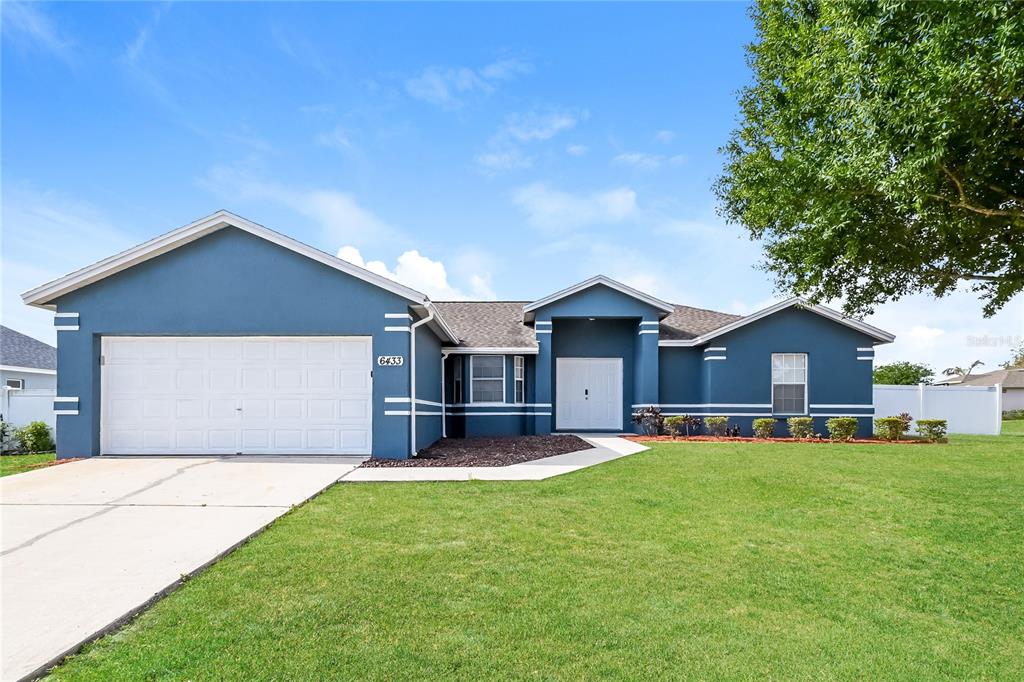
19	350
1008	378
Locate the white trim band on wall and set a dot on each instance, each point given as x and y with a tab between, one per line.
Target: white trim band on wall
66	328
499	414
70	399
837	406
865	357
499	405
419	401
397	316
546	323
65	315
866	350
397	329
648	331
715	349
841	414
714	357
66	412
695	405
541	331
648	323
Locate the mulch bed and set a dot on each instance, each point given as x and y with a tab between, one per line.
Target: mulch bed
907	440
487	452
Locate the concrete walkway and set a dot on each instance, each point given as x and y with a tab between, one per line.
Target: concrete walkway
86	545
606	448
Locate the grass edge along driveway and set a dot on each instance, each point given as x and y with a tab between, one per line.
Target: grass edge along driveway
704	560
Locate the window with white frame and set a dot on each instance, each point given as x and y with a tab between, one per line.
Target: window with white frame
520	379
15	383
457	380
486	378
789	383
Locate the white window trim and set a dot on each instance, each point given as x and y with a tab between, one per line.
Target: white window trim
518	366
504	371
807	382
19	387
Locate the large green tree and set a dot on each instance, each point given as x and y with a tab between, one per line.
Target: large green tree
903	373
880	150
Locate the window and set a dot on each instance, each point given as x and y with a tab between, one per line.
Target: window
487	378
457	381
789	383
520	379
15	383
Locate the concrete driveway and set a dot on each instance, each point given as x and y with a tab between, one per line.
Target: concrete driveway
86	544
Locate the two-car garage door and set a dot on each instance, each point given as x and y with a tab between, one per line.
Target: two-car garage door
230	395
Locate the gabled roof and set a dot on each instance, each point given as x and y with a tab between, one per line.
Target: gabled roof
874	332
19	350
1007	378
489	324
594	281
686	323
44	295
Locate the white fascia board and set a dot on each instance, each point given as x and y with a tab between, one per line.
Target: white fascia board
26	370
489	350
42	296
874	332
606	281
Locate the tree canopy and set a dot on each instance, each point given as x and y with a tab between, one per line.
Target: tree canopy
903	373
880	150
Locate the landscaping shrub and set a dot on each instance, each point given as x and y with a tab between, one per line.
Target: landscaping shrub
1011	415
717	426
680	425
841	428
890	428
800	427
650	420
932	429
764	427
35	437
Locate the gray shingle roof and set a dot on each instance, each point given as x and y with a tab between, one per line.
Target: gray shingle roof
1009	378
488	324
18	350
499	324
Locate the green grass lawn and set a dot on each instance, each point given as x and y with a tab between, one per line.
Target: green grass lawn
692	561
15	464
1014	427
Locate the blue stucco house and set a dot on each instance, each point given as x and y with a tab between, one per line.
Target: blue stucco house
225	337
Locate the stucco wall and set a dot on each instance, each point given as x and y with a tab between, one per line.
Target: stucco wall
229	283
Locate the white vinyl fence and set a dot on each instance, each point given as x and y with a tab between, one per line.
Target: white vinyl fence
22	406
966	409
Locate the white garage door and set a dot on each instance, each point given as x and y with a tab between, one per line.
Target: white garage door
230	395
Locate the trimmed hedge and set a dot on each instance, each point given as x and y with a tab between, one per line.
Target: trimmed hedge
932	429
841	428
717	426
800	427
890	428
764	427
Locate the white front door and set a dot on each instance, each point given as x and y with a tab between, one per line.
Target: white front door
589	393
230	395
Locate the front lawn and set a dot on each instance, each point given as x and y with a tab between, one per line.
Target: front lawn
694	560
15	464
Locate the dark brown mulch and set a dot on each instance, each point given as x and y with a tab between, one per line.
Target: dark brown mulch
486	452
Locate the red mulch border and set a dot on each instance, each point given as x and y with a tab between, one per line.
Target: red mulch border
751	439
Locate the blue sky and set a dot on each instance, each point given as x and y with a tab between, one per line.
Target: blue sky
471	151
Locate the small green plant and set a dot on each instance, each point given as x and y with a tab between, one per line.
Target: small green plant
717	426
35	437
841	428
933	430
800	427
650	420
890	428
764	427
680	424
1012	415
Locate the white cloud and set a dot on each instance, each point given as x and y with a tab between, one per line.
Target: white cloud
648	161
27	25
338	214
508	159
447	87
423	274
335	139
551	209
538	125
577	149
664	136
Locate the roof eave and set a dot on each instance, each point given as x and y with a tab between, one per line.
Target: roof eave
663	306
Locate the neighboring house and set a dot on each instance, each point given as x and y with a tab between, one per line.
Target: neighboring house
1011	380
226	337
28	378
